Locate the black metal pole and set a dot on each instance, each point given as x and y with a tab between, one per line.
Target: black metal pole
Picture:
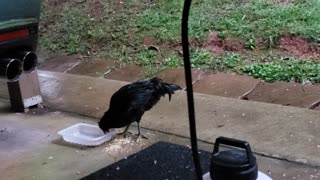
188	75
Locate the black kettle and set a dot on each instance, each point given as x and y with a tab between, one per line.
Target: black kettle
237	163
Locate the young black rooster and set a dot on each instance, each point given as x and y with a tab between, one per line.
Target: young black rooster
129	103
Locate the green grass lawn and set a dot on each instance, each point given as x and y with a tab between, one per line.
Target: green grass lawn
118	33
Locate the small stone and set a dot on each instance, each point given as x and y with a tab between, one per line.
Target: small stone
118	168
155	162
90	88
284	175
78	172
50	157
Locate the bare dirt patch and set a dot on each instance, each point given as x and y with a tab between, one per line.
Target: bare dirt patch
299	46
96	8
51	8
218	45
296	46
282	2
56	2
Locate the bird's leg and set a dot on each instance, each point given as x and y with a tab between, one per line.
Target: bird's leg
124	133
139	133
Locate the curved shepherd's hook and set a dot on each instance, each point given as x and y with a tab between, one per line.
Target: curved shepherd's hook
188	75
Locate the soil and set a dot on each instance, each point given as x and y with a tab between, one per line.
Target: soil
283	2
296	46
165	47
299	46
96	8
52	7
56	3
217	45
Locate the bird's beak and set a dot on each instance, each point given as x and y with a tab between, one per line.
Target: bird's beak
106	131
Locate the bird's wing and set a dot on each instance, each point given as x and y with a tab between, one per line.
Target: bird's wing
131	96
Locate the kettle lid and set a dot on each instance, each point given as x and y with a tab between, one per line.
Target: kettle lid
233	164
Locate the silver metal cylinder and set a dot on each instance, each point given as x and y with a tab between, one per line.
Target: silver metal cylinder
10	69
29	61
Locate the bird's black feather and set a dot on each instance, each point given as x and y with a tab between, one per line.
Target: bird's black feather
129	103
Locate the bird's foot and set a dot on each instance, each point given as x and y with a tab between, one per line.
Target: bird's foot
141	136
124	134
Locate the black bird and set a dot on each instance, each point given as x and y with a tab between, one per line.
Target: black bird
129	103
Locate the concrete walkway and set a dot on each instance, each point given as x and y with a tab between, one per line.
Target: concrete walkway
273	130
31	149
218	84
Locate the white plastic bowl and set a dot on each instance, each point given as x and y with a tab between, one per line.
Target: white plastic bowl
261	176
85	134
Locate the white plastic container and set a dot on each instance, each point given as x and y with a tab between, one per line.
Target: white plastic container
85	134
261	176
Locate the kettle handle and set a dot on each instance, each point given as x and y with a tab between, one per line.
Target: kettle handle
235	143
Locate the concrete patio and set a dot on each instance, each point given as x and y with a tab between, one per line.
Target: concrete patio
285	139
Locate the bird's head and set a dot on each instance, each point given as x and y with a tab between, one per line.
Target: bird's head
104	123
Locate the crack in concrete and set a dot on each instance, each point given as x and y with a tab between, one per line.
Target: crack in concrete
199	78
314	105
245	95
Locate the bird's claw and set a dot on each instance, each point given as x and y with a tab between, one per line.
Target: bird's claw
141	136
124	134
